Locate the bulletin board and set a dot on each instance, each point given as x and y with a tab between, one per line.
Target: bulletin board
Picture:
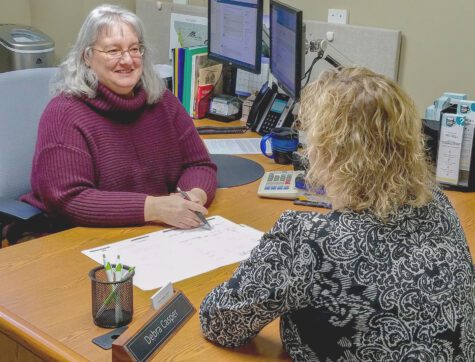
375	48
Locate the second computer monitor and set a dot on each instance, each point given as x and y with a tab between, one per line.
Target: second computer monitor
235	33
286	47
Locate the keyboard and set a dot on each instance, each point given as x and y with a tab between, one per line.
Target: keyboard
220	130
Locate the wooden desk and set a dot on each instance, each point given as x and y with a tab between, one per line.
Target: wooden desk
45	293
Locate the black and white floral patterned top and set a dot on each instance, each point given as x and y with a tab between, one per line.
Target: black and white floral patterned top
351	288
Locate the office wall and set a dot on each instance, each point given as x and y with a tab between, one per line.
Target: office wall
436	54
15	12
62	19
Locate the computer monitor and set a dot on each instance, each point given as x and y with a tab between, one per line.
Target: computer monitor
287	47
235	33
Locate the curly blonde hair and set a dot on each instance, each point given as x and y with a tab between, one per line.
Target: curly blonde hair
364	142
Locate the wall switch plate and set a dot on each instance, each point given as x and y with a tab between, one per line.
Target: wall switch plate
338	16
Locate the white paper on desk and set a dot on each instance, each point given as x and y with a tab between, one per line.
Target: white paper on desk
173	254
450	148
234	146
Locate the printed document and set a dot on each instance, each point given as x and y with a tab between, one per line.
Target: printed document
450	148
234	146
175	254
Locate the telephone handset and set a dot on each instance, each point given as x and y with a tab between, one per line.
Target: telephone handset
264	97
270	109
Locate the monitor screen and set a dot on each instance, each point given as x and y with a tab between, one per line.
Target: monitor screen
235	33
286	47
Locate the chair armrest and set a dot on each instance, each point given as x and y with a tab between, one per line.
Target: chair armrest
17	210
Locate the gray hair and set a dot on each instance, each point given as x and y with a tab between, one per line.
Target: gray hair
75	78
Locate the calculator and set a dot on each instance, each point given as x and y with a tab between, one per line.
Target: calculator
279	185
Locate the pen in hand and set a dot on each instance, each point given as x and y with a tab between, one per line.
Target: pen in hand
205	222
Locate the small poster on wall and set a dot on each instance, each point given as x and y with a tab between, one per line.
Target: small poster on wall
187	31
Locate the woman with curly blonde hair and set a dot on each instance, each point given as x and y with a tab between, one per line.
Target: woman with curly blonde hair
386	275
365	142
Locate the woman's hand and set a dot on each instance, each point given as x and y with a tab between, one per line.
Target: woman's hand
174	210
198	195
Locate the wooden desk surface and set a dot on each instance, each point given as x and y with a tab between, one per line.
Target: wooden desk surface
45	295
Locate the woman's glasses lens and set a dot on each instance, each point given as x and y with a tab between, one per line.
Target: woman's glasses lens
134	52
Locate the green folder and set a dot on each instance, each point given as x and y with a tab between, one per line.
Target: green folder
188	73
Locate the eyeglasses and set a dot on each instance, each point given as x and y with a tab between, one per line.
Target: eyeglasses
135	52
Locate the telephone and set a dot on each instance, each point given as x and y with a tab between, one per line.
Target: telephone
270	109
279	185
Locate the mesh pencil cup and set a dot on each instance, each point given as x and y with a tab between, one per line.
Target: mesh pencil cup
112	302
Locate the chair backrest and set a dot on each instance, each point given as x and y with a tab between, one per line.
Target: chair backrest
23	96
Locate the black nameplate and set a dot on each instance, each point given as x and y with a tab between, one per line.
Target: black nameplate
160	328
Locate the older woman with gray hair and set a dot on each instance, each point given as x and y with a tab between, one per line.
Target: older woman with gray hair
113	144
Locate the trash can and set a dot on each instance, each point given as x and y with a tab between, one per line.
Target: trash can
23	47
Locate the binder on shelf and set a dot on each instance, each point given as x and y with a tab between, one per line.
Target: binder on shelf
196	64
181	65
175	71
188	74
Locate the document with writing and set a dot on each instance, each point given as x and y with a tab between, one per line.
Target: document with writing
171	255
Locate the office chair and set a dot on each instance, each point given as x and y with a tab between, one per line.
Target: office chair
23	97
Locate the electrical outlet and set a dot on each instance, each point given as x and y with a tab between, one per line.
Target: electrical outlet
338	16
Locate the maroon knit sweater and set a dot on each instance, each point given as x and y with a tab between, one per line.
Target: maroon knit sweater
97	159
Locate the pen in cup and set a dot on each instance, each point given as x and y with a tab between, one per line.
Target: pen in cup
108	269
205	222
118	270
113	294
117	278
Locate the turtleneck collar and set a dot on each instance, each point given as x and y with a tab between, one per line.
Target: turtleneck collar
116	107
